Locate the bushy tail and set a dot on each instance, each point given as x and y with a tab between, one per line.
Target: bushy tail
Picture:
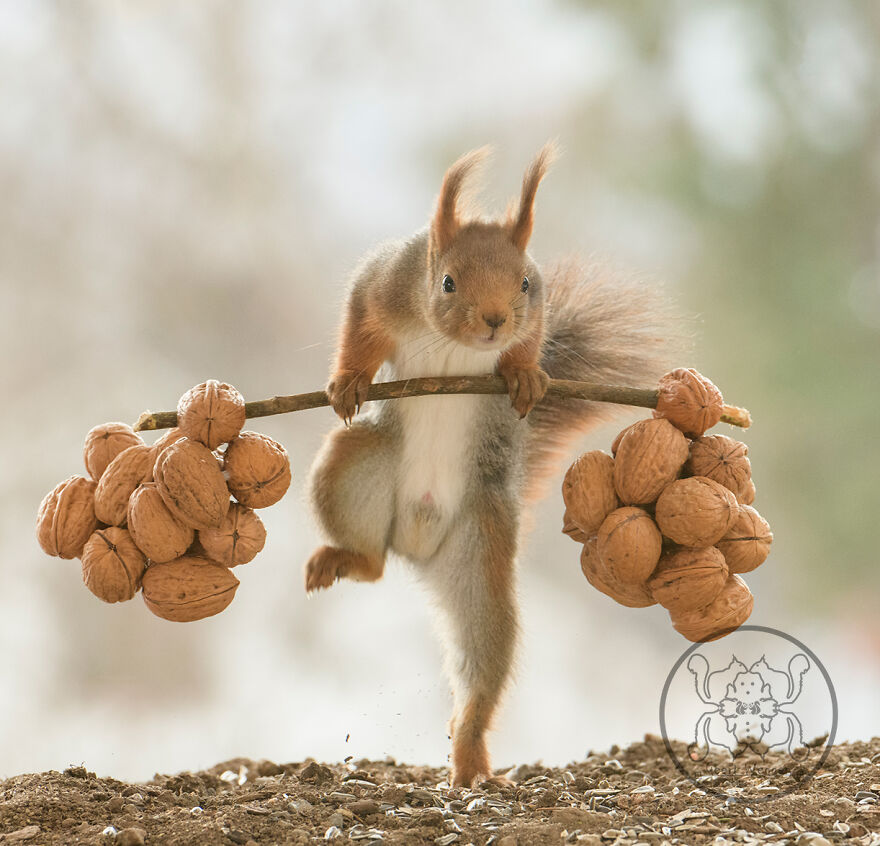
602	327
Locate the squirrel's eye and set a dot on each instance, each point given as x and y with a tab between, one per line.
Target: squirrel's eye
448	284
525	284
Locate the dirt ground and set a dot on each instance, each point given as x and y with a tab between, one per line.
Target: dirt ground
623	796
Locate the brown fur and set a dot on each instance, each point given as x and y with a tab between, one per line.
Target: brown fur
364	344
601	326
521	226
329	563
446	222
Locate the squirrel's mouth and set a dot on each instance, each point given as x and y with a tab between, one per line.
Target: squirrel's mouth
490	341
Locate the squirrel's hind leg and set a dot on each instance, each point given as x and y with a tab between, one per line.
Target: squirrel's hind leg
351	487
473	579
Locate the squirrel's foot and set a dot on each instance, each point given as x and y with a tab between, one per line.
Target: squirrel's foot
499	781
347	392
526	386
474	776
329	563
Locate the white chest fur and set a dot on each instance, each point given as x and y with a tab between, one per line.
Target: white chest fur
438	434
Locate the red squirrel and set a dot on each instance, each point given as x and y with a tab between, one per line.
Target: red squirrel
441	481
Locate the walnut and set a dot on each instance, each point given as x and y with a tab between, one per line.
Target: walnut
191	483
132	467
588	491
211	413
154	528
104	443
747	543
629	545
188	588
728	611
171	436
696	511
615	444
257	469
688	578
689	401
597	574
66	518
112	566
649	457
239	538
747	497
570	528
723	460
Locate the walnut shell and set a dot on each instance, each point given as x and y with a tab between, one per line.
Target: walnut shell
689	401
615	444
188	589
239	538
168	437
649	457
191	483
112	566
747	497
588	491
104	443
597	574
257	469
723	460
66	518
156	531
747	543
132	467
629	545
728	611
570	528
211	413
688	578
696	511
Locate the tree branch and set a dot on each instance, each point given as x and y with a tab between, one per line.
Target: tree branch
562	388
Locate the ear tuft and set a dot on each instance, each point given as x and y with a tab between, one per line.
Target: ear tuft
446	222
523	219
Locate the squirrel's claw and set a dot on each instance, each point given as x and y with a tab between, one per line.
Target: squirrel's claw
347	392
526	387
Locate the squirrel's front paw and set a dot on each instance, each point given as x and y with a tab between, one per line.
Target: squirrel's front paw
347	392
526	386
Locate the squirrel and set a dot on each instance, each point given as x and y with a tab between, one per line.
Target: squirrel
441	481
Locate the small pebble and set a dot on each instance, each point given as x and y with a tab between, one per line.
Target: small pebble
26	833
131	837
300	806
364	807
115	804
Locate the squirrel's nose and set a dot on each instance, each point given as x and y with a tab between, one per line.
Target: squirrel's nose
494	320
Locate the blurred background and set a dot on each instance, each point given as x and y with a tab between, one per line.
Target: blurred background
183	191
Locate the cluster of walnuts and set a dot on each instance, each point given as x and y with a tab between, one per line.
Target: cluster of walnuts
160	517
669	519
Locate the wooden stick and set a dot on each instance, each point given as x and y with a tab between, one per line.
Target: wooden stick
643	397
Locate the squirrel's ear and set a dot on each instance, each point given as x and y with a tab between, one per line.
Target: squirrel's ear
524	217
446	221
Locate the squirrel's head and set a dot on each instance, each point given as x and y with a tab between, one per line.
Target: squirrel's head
483	288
